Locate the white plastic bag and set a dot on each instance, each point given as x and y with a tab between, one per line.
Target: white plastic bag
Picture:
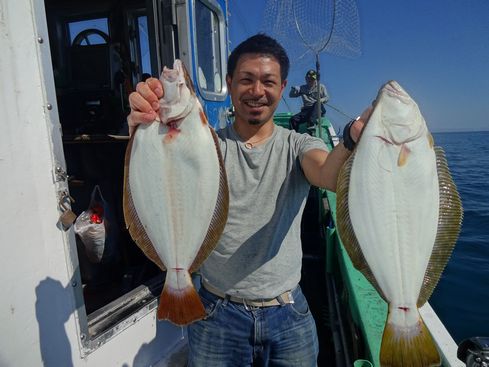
91	225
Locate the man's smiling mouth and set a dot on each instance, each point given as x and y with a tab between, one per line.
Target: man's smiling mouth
252	103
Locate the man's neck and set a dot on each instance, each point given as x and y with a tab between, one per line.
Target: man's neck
247	131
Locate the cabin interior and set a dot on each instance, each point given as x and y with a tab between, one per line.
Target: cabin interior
100	50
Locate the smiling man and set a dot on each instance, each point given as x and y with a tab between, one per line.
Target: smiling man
256	312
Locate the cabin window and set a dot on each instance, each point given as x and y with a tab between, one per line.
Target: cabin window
144	44
210	46
139	46
89	32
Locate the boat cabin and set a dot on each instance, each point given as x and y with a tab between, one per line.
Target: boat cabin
71	66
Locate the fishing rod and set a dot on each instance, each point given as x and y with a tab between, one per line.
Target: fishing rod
339	111
285	101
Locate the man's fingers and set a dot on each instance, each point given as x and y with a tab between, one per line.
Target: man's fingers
149	91
137	117
138	103
356	129
366	114
155	85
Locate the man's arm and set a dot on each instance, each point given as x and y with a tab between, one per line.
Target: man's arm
322	168
295	92
324	94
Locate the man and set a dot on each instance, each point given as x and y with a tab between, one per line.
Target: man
309	94
256	312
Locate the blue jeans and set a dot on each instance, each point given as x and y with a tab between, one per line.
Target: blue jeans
235	335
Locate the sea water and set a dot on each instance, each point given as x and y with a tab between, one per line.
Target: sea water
461	298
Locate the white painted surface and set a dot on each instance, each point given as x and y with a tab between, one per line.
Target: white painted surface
39	313
443	340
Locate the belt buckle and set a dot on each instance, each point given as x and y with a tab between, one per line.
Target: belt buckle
281	298
291	297
249	307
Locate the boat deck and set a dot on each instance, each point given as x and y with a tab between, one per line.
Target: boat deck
313	282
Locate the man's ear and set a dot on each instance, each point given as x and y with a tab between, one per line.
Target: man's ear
284	84
228	81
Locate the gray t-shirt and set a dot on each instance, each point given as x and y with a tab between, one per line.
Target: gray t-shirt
259	254
309	94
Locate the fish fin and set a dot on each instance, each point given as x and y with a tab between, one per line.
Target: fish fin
133	224
449	224
188	80
345	227
219	218
408	346
431	141
179	301
203	117
403	155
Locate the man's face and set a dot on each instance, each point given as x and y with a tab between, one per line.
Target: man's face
310	81
256	88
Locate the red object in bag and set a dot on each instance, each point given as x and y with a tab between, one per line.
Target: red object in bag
94	228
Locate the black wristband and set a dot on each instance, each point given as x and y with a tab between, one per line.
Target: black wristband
347	139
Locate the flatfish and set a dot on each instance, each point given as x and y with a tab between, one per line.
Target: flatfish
399	215
176	195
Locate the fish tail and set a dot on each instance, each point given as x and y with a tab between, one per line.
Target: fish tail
179	301
404	346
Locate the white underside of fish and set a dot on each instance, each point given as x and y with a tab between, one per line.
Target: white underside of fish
394	211
177	182
399	216
175	195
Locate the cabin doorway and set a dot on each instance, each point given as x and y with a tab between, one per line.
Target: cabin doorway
100	50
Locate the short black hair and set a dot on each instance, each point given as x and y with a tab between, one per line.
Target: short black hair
264	45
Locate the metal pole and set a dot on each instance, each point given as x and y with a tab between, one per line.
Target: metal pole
318	102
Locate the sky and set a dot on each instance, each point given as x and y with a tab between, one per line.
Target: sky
438	51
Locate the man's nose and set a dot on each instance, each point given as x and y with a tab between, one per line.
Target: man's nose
257	88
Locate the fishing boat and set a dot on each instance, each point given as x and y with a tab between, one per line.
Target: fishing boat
66	70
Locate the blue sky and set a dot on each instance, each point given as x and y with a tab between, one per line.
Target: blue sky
438	50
